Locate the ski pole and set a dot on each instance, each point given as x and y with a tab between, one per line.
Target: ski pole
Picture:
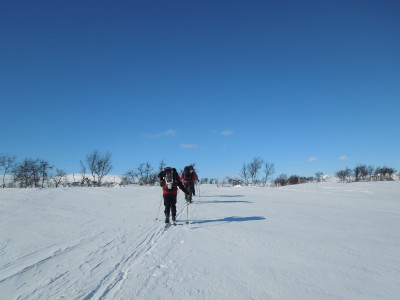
159	209
187	213
197	189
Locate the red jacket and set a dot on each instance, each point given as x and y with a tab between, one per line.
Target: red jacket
194	177
174	189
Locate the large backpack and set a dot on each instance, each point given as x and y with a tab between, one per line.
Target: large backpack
169	177
188	173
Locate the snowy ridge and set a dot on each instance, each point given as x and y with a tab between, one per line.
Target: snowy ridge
310	241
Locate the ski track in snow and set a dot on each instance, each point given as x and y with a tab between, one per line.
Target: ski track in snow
110	284
143	281
30	265
106	284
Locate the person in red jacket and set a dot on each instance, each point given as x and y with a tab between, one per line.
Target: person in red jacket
189	177
169	181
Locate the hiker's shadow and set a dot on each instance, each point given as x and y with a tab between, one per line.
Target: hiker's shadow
220	201
216	222
222	196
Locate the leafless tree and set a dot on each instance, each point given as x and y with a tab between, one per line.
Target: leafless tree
269	170
162	165
294	179
385	173
141	173
130	177
7	163
360	173
244	174
370	172
318	176
91	160
44	168
281	180
253	169
27	173
144	173
233	181
58	177
99	165
345	175
104	166
83	172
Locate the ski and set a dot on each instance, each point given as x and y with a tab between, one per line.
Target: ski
169	224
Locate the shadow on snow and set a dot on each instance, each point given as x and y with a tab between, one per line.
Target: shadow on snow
220	201
229	220
224	196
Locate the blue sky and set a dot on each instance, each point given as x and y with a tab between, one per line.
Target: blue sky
307	85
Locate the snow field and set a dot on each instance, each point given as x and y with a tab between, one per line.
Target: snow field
312	241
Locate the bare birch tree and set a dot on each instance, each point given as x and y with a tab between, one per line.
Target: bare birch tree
254	167
144	173
44	168
58	177
99	165
7	163
244	174
269	170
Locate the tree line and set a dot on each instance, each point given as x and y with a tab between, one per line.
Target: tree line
96	165
258	172
363	172
30	173
37	172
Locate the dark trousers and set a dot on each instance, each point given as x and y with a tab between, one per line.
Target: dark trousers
193	188
170	206
189	185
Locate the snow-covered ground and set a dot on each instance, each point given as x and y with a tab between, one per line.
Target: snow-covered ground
311	241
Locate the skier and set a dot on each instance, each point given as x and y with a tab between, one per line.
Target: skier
189	177
169	181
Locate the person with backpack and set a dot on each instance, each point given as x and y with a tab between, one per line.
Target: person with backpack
189	177
170	181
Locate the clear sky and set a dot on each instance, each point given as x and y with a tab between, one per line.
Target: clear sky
307	85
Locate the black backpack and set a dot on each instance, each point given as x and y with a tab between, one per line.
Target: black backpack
187	173
169	176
